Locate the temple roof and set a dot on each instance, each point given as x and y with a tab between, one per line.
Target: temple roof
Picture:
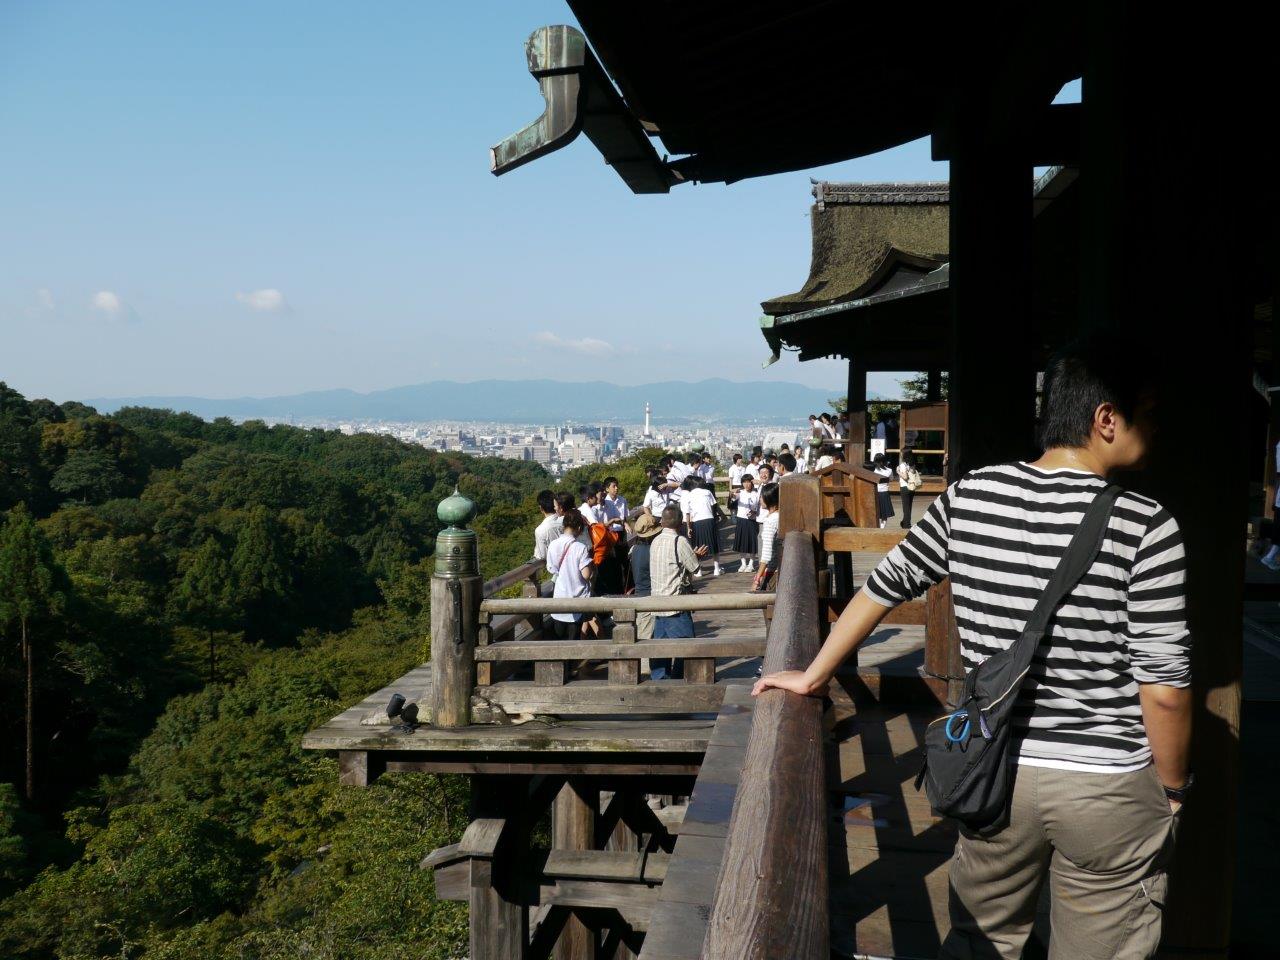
867	235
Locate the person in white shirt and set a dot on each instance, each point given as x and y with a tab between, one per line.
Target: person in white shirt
569	561
676	471
746	539
906	467
735	473
786	464
700	514
752	467
827	458
770	554
565	505
656	498
549	528
614	506
884	505
706	470
590	507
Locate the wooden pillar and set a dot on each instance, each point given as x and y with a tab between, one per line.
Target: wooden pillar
855	450
499	920
992	389
573	827
933	387
455	611
1141	104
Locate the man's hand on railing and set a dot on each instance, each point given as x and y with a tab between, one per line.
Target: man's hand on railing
796	681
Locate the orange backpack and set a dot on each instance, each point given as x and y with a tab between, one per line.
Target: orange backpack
602	542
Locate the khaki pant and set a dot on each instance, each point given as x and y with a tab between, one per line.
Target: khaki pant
1103	840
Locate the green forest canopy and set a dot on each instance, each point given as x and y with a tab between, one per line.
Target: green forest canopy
225	588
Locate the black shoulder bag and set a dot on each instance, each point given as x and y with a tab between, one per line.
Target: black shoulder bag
966	770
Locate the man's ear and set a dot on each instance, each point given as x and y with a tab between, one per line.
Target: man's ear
1104	420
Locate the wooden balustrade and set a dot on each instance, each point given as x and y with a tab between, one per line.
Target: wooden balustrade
771	894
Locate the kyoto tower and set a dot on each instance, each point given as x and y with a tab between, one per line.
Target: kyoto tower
647	434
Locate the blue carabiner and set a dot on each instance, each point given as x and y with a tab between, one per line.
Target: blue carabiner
963	735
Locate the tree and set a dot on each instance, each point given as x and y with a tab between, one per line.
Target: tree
88	475
31	589
917	387
205	595
19	459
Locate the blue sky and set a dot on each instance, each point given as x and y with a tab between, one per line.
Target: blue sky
248	198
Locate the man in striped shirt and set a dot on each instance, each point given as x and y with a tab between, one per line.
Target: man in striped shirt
1102	723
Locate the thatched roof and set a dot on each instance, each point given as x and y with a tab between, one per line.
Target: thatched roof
864	233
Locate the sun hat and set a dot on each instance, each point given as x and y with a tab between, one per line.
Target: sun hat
646	527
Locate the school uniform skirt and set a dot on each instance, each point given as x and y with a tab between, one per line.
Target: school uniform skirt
884	504
746	535
704	535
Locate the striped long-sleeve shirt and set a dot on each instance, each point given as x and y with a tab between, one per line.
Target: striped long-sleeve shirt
998	533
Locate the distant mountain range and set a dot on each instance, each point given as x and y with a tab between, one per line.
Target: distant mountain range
519	401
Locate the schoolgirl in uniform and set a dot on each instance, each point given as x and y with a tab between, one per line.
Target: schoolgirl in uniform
884	505
746	532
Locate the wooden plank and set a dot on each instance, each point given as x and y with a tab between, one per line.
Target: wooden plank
912	612
453	881
606	865
693	601
676	932
861	539
743	643
481	837
633	900
770	900
598	697
357	769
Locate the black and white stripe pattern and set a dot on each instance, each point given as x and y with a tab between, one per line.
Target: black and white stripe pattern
998	532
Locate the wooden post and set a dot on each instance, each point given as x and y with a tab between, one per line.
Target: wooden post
624	631
855	449
993	375
933	388
1128	174
455	611
800	508
499	922
573	827
942	643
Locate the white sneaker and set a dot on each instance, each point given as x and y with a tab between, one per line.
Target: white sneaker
716	571
742	565
751	566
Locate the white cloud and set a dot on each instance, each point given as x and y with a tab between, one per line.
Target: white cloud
587	346
110	303
267	300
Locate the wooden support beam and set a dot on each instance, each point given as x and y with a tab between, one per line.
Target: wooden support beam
357	768
624	636
616	605
726	643
573	824
597	696
496	841
855	448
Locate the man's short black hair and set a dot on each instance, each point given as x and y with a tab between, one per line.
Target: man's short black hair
546	501
1082	375
566	501
671	517
608	480
787	461
737	457
587	491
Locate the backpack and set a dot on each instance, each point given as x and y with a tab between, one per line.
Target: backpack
602	542
914	480
966	771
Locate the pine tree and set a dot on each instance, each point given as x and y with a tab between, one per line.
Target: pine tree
31	590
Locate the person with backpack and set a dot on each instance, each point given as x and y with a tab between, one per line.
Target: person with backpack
1097	724
909	481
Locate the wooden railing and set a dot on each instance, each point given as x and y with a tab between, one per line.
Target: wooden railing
566	673
771	893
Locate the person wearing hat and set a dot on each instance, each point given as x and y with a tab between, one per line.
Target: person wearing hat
644	527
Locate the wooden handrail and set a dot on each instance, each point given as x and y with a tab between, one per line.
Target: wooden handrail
771	894
528	571
693	601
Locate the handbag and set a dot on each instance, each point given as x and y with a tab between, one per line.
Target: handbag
967	771
914	480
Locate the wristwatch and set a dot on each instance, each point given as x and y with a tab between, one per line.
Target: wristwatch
1179	794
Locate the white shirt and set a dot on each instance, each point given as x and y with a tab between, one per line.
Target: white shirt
735	475
591	514
768	534
902	472
886	473
679	470
706	471
545	534
748	503
654	501
615	511
566	559
824	461
677	497
699	504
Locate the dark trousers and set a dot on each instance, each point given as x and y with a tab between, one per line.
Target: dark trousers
906	505
678	626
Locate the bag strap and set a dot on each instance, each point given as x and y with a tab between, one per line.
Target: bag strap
1076	560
